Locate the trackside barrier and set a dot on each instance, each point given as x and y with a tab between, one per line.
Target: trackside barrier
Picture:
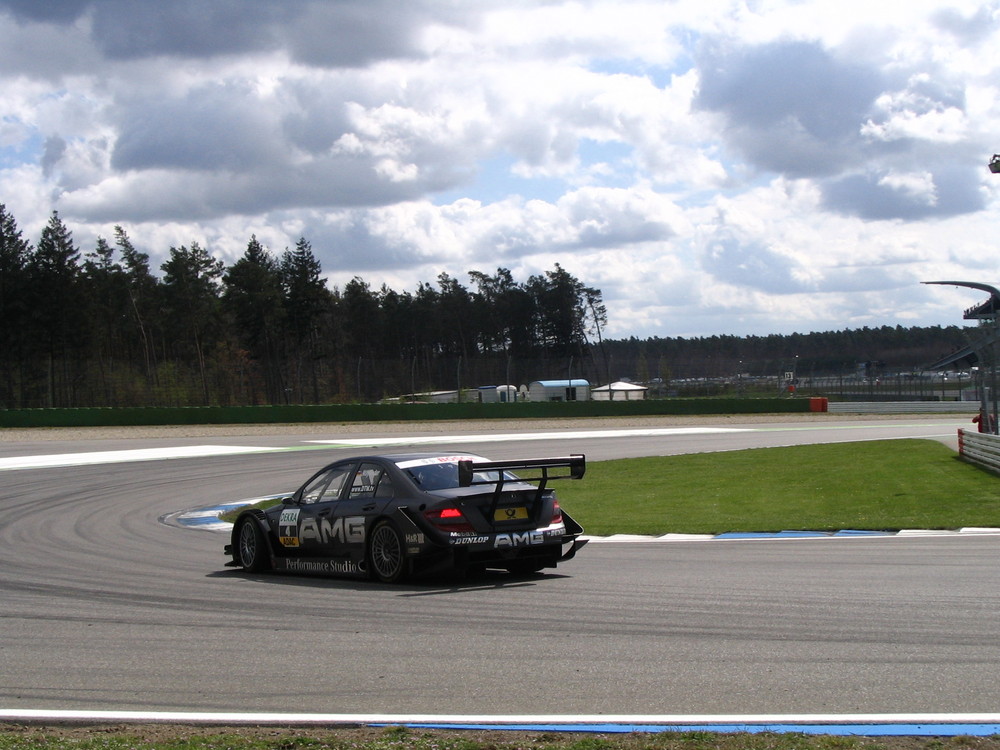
904	407
304	413
980	448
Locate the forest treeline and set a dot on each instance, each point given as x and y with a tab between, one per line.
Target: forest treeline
861	351
98	327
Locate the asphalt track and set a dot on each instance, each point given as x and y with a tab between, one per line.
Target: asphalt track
108	606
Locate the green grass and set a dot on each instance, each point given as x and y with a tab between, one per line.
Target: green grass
193	738
875	485
884	485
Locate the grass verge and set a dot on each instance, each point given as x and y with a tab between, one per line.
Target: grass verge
400	738
870	485
883	485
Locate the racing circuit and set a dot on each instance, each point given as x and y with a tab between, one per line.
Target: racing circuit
110	605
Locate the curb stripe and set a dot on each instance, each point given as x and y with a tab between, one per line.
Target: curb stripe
872	725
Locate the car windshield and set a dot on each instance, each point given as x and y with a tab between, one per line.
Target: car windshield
441	473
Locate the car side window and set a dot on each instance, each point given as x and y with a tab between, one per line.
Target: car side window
325	487
339	476
367	480
385	489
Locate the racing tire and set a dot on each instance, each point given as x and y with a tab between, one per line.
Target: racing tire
386	553
251	547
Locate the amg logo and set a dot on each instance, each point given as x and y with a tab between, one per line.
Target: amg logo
519	540
351	530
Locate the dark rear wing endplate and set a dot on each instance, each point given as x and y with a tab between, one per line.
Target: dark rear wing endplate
576	465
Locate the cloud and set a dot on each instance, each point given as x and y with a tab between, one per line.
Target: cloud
790	107
346	33
214	127
60	11
950	191
968	30
55	147
712	165
749	264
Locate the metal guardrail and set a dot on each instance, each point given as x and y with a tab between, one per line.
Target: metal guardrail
982	449
903	407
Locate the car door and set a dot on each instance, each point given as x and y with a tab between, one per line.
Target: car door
365	496
306	525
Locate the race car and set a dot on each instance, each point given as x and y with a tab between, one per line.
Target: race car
394	516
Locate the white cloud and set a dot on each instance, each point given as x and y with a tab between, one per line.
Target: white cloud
713	167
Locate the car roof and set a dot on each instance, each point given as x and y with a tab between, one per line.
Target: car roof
412	456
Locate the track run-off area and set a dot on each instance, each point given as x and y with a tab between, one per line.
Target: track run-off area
114	610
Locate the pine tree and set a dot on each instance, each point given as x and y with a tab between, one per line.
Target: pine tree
308	315
57	306
252	295
15	253
191	301
143	294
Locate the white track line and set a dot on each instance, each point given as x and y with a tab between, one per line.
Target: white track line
499	720
501	437
113	457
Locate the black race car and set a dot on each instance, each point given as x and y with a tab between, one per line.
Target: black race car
389	517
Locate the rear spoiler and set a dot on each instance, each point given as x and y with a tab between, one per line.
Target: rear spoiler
576	464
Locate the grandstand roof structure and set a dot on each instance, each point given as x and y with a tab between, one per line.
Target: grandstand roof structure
969	356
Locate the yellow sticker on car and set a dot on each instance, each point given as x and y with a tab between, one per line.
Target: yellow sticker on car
288	527
510	514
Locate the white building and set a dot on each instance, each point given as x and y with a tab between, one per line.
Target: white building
559	390
498	394
619	391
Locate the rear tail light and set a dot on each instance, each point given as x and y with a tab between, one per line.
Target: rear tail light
556	512
448	519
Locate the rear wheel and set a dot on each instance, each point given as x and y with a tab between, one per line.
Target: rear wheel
386	553
252	547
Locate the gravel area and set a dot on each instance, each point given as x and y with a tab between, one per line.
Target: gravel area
25	434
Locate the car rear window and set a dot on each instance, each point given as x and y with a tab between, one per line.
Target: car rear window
441	472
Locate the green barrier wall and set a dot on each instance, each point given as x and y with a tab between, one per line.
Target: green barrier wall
390	412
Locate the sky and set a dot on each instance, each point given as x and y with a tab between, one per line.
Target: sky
713	167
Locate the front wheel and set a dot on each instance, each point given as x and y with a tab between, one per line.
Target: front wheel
386	553
252	547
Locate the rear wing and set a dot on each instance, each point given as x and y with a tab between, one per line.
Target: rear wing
542	469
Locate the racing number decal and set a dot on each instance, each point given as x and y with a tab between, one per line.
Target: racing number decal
288	527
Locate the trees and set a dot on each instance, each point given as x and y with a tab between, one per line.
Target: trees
252	294
105	289
15	253
106	331
102	329
566	311
308	308
506	314
191	303
143	300
56	320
